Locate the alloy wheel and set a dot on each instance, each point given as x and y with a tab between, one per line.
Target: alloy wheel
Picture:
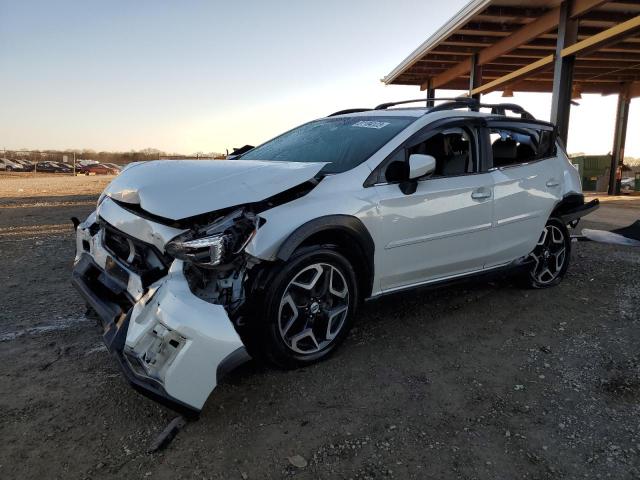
313	308
549	256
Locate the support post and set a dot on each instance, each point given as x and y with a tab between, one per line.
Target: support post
431	93
475	77
563	71
619	140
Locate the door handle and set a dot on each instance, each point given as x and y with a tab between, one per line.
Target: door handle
552	183
480	194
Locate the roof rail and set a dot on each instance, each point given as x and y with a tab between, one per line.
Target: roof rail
451	103
349	110
460	102
384	106
501	108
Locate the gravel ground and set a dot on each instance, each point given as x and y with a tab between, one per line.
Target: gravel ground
480	380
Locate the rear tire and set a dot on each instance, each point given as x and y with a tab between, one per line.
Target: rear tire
550	257
308	307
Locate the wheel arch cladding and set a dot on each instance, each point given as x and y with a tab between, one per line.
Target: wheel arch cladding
568	202
348	233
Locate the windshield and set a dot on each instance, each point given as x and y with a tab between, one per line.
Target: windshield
343	142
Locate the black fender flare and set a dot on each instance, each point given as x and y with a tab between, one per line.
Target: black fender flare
347	224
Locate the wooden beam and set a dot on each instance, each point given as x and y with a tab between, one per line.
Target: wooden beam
508	64
604	16
454	49
512	12
492	30
607	37
612	34
544	23
527	70
581	7
608	56
434	57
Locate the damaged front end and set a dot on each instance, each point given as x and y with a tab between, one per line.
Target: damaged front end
215	265
167	296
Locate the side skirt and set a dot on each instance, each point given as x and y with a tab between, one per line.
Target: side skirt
485	274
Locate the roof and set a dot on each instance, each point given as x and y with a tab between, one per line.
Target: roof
509	35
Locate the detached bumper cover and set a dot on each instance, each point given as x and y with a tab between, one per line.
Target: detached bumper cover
171	345
579	211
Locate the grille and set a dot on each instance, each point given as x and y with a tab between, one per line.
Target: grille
140	257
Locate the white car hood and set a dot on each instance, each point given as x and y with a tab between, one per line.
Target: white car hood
177	189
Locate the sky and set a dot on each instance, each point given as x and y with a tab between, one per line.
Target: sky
202	76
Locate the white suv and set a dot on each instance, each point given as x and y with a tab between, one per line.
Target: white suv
193	265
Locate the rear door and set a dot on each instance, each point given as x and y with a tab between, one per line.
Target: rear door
527	185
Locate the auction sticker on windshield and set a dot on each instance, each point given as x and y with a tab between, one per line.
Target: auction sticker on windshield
370	124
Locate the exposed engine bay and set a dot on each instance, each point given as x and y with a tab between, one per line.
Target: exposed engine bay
217	270
216	266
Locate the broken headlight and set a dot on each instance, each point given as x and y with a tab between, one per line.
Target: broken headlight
206	251
216	243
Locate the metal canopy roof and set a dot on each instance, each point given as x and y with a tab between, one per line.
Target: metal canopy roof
514	42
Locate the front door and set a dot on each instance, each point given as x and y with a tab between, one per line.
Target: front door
441	230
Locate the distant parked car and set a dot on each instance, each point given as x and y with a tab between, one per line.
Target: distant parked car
628	184
10	165
99	169
114	165
53	167
26	164
84	162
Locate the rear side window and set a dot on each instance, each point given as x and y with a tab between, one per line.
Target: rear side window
518	145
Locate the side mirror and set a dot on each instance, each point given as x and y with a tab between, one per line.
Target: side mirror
420	165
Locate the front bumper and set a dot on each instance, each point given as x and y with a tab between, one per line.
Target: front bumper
171	345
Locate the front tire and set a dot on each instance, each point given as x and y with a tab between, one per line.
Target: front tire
550	258
308	306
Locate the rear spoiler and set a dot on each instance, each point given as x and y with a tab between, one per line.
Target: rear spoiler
580	211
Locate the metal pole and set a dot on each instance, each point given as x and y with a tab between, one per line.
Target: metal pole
563	71
74	164
475	77
431	94
619	140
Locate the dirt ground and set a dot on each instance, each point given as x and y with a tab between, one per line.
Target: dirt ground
481	380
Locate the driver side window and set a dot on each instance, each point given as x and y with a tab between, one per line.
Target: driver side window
453	149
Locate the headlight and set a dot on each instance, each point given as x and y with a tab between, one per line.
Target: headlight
216	243
206	251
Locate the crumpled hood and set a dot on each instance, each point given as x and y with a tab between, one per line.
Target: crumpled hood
177	189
